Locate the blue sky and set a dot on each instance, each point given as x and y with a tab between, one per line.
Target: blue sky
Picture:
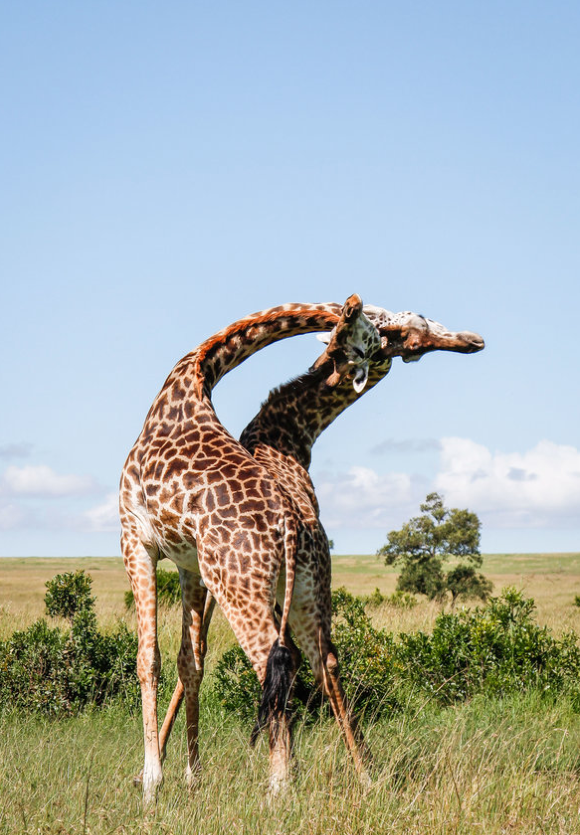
167	169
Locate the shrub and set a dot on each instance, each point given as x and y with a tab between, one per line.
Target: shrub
494	650
59	672
398	599
401	600
367	657
68	593
168	590
375	599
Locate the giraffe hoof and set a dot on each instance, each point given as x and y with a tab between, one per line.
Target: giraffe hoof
278	788
138	779
365	780
193	776
152	780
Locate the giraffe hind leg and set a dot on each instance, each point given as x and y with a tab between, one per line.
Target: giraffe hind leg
170	717
345	718
258	636
275	713
313	635
276	691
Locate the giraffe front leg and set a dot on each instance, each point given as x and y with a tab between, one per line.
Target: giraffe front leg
141	568
167	727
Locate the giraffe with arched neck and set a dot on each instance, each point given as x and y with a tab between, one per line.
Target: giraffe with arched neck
191	493
282	435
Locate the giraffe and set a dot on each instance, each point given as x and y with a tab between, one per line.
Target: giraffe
191	493
281	436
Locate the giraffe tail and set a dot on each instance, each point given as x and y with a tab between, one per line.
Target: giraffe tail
281	665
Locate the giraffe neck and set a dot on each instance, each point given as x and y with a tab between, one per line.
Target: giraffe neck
199	371
295	414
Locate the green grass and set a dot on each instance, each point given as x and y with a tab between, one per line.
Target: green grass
489	766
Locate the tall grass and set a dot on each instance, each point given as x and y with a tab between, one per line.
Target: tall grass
487	766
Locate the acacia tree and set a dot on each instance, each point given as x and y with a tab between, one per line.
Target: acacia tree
425	542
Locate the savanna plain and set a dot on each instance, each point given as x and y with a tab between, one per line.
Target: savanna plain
489	765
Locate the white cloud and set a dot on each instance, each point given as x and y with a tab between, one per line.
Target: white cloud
104	517
43	482
539	488
536	488
361	498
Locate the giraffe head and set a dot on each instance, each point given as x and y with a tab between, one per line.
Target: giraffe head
351	344
410	335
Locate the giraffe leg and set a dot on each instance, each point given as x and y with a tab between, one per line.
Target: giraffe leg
166	728
197	611
346	719
278	685
313	635
141	568
170	717
250	614
177	697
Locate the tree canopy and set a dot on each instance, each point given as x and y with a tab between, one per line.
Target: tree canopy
425	542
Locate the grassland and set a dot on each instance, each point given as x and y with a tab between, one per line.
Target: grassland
505	766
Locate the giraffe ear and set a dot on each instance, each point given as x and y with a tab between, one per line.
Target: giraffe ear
324	337
360	378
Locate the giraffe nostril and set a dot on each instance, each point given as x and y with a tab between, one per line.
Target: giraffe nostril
358	351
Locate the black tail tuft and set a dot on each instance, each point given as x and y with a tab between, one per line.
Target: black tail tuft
276	692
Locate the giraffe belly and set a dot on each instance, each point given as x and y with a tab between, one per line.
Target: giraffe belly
184	556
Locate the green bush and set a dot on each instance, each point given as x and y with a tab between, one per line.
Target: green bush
493	650
375	599
59	672
366	655
168	590
68	593
398	599
402	600
236	684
